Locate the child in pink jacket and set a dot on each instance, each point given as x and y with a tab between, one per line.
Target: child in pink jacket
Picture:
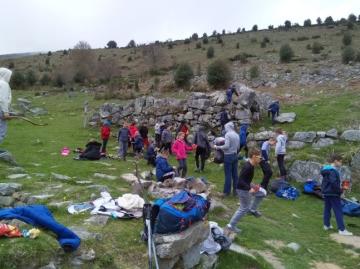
179	149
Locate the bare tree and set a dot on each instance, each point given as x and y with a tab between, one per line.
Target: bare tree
83	61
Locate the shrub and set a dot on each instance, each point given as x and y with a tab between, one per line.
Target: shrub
254	71
316	36
31	77
183	74
242	57
210	53
187	41
266	39
198	45
318	21
170	45
329	21
194	36
79	77
11	65
49	53
352	18
317	47
218	74
45	80
348	54
286	53
347	39
18	80
350	25
263	44
205	40
308	46
302	38
59	80
287	24
111	44
307	23
129	59
47	61
271	27
237	45
255	28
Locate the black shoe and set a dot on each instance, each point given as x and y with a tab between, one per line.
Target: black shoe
255	213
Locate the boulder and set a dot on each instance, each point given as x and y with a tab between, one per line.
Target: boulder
265	135
351	135
6	201
307	137
355	162
7	189
333	133
243	115
218	98
321	134
323	142
301	171
189	115
296	144
201	104
286	117
172	245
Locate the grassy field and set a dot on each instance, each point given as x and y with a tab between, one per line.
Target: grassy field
37	149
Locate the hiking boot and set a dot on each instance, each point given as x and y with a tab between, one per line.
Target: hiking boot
345	233
326	228
233	229
255	213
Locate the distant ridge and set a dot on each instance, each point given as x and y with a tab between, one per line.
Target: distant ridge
17	55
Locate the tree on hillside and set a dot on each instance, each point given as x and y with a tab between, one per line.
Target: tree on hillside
329	21
352	18
210	52
195	36
183	75
83	62
347	39
218	74
255	28
307	23
286	53
287	24
131	44
271	27
238	30
111	44
318	21
31	77
223	32
348	55
214	33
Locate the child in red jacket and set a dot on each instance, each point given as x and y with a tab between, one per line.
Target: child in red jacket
105	134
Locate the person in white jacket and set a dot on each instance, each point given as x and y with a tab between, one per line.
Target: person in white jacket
5	100
280	151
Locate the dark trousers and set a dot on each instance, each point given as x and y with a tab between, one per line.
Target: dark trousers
333	202
158	140
182	168
267	173
200	152
167	146
103	147
273	115
151	160
231	172
281	163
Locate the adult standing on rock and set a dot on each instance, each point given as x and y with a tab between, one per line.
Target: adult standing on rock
280	151
274	110
230	148
5	100
229	93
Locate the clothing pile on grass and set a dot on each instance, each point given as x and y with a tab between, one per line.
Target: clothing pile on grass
127	206
216	240
283	189
38	216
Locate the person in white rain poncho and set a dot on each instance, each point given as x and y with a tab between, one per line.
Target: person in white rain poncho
5	100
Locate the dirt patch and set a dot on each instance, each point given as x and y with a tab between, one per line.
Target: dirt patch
321	265
271	258
353	241
277	244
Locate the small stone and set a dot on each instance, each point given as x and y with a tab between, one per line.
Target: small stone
60	177
97	220
18	176
87	255
6	201
294	246
333	133
104	176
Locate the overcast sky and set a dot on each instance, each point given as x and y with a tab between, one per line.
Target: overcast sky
43	25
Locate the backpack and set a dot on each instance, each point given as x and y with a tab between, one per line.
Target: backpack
288	193
350	208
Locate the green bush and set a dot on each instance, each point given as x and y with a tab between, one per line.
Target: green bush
302	38
317	48
308	46
198	45
205	40
31	78
348	54
286	53
183	74
263	44
79	77
316	36
59	80
307	23
254	72
255	28
218	74
210	53
18	80
45	80
187	41
266	39
347	39
237	45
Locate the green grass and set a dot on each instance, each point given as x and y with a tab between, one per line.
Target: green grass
120	246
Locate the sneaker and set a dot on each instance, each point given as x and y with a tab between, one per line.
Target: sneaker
255	213
345	232
233	229
326	228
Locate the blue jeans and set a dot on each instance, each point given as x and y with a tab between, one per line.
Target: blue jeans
333	202
231	172
3	127
123	145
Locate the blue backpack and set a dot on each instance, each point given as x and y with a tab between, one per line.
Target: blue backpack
288	193
310	186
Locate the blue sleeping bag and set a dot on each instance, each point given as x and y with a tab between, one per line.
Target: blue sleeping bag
350	208
177	213
288	193
40	216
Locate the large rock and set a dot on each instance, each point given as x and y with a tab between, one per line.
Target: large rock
301	171
202	104
323	142
243	115
264	135
307	137
296	144
355	162
172	245
332	133
7	189
351	135
286	117
6	201
218	98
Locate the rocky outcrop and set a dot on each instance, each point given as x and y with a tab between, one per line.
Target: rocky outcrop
307	137
286	117
301	171
181	249
351	135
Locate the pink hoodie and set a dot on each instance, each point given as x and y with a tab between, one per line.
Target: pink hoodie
179	148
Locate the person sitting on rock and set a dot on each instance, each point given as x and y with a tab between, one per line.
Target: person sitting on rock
229	93
151	153
163	169
138	144
274	110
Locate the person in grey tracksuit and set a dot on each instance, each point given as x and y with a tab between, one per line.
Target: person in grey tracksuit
280	151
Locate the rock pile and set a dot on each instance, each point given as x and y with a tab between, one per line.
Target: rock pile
197	108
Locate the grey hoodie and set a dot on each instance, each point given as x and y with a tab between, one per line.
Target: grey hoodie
5	91
232	140
280	147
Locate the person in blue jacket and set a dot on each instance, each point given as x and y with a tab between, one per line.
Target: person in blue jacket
229	92
331	189
274	110
163	169
243	133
